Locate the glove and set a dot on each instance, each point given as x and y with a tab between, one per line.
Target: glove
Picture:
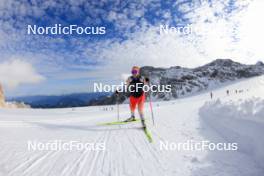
147	80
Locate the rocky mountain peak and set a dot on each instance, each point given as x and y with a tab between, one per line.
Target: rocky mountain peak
223	63
4	104
260	63
2	97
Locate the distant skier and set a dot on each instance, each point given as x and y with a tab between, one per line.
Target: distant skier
137	96
227	92
211	95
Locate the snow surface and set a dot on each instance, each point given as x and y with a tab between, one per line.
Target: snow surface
234	118
241	121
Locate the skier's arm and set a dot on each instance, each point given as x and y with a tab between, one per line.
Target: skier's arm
128	81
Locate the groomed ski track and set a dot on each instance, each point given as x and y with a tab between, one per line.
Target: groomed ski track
128	152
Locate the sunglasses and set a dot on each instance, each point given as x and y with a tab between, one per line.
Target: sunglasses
134	72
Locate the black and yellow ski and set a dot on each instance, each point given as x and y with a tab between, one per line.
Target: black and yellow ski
119	122
148	135
146	131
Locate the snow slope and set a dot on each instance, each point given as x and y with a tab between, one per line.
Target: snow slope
241	121
127	153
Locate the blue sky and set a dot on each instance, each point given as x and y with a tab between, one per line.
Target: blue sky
58	64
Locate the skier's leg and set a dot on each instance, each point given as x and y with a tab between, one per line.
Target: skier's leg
142	120
141	110
132	105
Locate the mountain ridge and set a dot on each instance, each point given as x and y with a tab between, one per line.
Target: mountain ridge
186	81
58	101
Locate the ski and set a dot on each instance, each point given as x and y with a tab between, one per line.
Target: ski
146	131
119	122
148	135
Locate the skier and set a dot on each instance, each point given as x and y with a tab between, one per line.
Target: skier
211	95
137	96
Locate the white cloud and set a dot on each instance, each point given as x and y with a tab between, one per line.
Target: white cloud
251	29
147	47
17	72
236	35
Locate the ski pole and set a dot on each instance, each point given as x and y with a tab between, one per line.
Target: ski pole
152	114
117	103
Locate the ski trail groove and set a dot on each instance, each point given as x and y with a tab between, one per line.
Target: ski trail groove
133	144
70	170
21	165
97	154
37	161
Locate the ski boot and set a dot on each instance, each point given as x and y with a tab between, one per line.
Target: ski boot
131	119
143	124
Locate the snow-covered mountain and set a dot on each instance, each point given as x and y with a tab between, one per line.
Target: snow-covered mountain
187	81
